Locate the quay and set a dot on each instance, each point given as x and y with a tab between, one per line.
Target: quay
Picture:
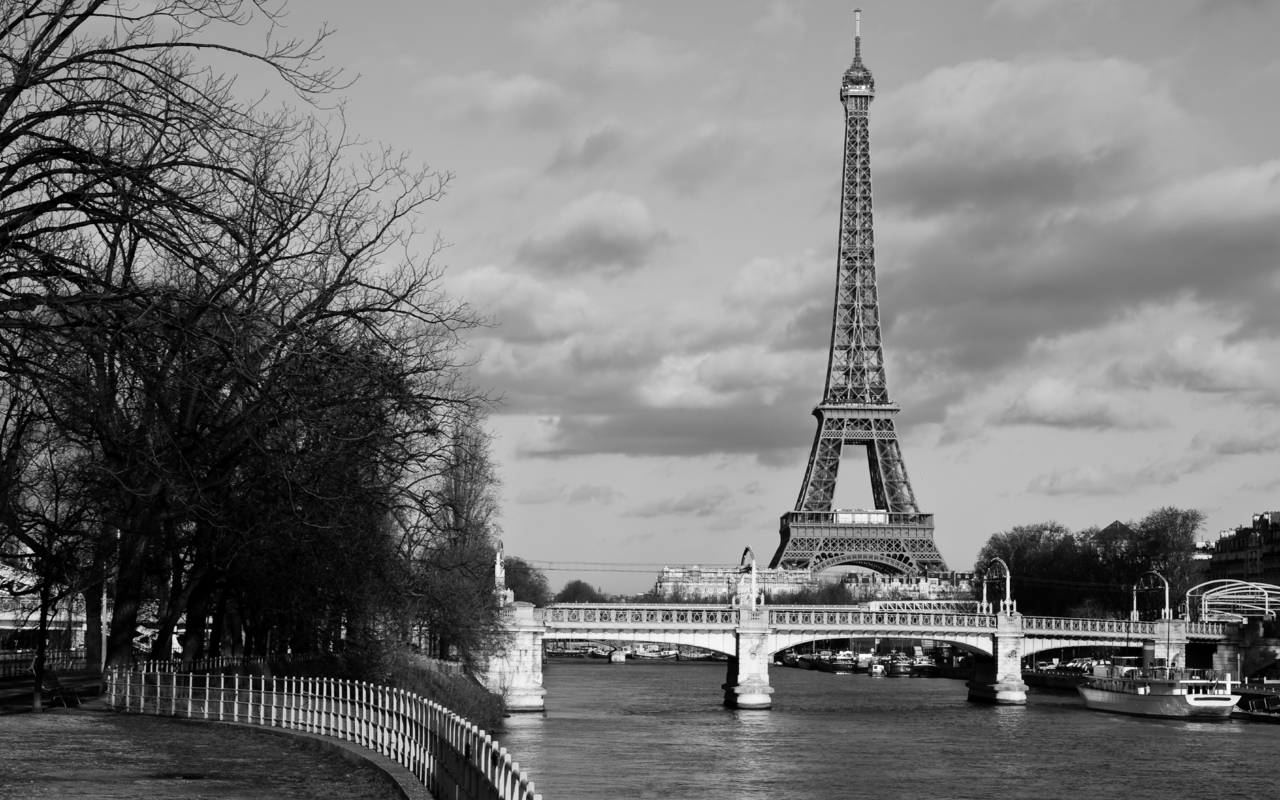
90	752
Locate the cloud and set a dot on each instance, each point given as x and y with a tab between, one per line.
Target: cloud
1237	444
779	19
590	39
590	150
485	96
549	491
1027	10
1106	480
1196	365
705	502
1033	200
707	153
604	232
1057	403
590	494
737	377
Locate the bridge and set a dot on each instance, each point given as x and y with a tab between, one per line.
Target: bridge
750	633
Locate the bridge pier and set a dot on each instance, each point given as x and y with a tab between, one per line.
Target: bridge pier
747	682
1170	642
515	673
1000	680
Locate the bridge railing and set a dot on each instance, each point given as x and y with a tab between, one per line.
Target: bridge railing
809	615
450	756
1116	627
1206	629
640	614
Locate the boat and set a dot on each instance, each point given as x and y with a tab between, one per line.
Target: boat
841	662
923	667
1159	692
899	665
877	669
654	654
1259	709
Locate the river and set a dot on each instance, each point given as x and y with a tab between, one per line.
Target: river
660	731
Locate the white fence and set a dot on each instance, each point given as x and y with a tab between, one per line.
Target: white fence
452	757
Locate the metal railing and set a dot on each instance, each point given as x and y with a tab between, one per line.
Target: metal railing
450	756
17	663
787	616
1116	627
648	614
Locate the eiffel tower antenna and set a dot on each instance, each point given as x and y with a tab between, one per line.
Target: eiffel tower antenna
894	537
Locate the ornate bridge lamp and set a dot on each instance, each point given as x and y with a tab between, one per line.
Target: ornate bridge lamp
1000	569
1147	583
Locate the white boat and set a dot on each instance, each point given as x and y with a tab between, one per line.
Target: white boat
878	669
1160	692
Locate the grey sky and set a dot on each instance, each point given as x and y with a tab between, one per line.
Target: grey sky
1078	240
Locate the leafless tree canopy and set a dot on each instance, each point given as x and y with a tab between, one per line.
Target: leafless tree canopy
218	343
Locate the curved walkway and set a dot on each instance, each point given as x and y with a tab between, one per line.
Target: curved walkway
93	753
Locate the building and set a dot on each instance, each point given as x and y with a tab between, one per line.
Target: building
1249	553
717	584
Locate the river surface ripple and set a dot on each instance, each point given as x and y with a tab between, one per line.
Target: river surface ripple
660	731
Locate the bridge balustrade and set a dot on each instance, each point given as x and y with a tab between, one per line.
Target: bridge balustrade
615	614
1119	627
1206	629
808	615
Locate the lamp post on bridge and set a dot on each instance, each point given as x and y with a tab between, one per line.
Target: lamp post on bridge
1007	605
1000	679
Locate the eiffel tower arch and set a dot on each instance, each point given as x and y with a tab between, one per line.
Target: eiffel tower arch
895	537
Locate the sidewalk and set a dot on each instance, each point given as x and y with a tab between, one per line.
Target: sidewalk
94	753
15	693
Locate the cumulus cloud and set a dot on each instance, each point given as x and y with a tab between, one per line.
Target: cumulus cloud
1261	442
698	503
549	491
591	494
1197	365
1106	480
485	96
1049	197
604	232
779	19
1059	403
589	150
592	41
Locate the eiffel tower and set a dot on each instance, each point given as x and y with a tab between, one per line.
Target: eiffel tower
895	537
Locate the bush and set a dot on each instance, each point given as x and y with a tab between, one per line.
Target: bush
461	694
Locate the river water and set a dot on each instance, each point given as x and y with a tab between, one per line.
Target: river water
660	731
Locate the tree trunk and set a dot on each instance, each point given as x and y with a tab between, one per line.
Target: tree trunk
130	575
197	610
93	626
37	666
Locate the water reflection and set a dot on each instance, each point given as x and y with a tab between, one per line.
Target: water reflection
660	730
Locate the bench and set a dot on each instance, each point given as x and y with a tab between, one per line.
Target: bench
53	689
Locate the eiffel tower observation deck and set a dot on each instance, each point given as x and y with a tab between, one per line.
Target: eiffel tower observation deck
895	537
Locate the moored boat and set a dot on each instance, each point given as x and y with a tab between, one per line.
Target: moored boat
899	666
1160	692
877	669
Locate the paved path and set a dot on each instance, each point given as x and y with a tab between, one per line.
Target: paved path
94	753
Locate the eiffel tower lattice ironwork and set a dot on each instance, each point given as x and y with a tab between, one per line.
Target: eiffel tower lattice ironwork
895	537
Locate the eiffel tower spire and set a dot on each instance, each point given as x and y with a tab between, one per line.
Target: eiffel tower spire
855	409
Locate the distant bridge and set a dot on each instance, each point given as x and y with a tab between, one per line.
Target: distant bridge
751	633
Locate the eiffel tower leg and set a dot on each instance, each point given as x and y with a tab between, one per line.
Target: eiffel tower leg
820	478
889	480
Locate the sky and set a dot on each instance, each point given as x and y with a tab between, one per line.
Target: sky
1077	210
